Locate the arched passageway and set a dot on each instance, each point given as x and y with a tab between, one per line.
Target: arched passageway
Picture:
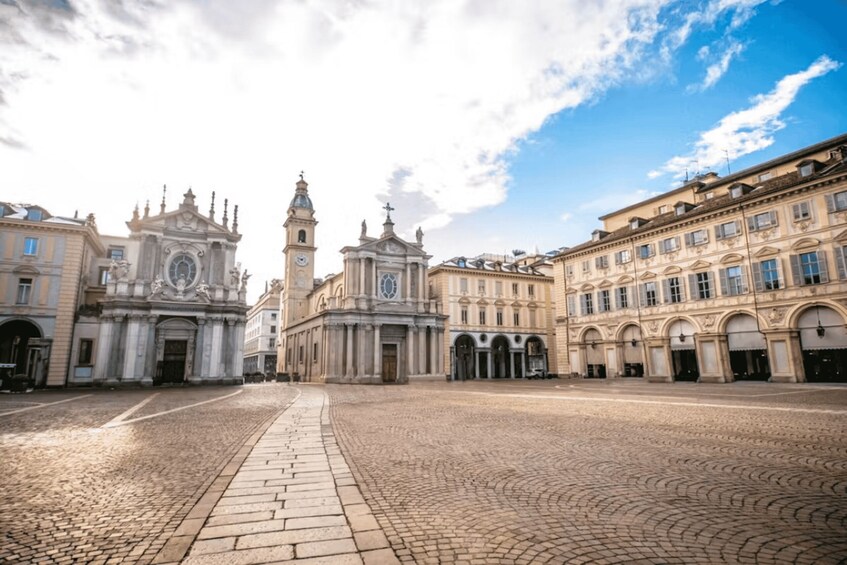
823	339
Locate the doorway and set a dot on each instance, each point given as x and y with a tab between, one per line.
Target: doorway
173	363
389	362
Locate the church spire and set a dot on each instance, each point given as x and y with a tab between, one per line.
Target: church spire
388	226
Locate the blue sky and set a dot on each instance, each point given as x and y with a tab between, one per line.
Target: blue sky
492	124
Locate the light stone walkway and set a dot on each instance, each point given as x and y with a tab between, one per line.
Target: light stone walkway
293	500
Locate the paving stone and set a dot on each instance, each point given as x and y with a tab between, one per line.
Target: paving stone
320	548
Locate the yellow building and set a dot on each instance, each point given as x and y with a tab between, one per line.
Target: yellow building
500	315
741	277
42	281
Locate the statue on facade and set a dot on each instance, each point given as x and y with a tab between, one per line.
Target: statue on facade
364	233
244	278
202	290
113	271
419	236
180	286
235	275
123	269
156	286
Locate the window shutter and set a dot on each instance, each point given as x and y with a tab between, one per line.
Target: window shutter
839	259
824	270
571	306
692	284
758	283
737	227
724	281
796	274
652	248
774	218
830	203
796	211
676	242
689	239
666	291
600	301
744	288
779	273
682	289
642	295
718	232
751	223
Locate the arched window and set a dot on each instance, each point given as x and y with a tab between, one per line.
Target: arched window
301	236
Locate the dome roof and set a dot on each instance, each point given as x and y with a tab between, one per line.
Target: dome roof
301	196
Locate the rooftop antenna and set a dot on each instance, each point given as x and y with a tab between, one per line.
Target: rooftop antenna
726	154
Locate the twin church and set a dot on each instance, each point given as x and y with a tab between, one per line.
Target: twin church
372	323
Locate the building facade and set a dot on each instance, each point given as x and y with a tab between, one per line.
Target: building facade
500	315
164	305
261	331
372	323
44	260
722	279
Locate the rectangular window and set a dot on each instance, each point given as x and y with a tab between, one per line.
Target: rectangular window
601	262
34	215
514	289
836	202
669	245
273	329
482	316
809	268
571	305
727	230
765	176
480	286
733	281
531	290
807	170
463	285
498	288
586	266
622	297
532	317
766	275
645	251
300	352
604	301
24	291
673	289
569	270
586	304
272	342
314	351
104	276
762	221
463	313
86	347
516	318
649	295
273	316
701	286
623	257
698	237
499	316
801	211
115	253
30	246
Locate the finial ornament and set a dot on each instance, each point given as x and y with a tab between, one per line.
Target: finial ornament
388	209
147	209
235	220
212	208
301	175
164	192
225	218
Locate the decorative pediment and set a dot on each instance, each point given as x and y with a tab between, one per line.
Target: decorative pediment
586	287
806	243
515	304
700	264
482	302
390	245
499	302
625	279
26	270
532	305
841	238
731	258
185	220
766	251
672	270
605	284
464	300
648	275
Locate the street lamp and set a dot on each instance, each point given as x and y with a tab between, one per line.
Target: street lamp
820	329
633	342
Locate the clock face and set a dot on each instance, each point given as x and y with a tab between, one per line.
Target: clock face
301	260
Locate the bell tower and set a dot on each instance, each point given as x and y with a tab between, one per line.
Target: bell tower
299	253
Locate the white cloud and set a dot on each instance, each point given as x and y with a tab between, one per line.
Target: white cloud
741	10
748	130
715	71
417	102
566	217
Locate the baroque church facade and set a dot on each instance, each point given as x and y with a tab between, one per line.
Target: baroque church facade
372	323
170	306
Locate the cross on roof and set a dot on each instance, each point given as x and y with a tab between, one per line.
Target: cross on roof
388	210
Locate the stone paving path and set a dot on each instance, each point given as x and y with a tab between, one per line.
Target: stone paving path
294	499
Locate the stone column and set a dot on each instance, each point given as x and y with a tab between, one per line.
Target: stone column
374	290
377	352
490	358
239	360
440	357
361	333
104	347
349	328
476	363
150	352
433	350
512	363
421	350
200	366
410	349
362	277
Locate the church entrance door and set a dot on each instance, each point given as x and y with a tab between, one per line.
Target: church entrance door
173	364
389	362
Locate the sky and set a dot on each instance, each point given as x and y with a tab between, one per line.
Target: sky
493	125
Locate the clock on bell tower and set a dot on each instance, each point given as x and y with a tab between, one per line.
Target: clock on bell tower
299	253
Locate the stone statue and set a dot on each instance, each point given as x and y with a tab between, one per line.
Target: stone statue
113	271
235	275
156	286
419	235
244	278
364	233
180	285
202	290
123	269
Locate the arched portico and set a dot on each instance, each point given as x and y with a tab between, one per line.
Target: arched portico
464	358
823	342
746	347
500	357
536	357
21	345
683	349
175	341
630	348
595	361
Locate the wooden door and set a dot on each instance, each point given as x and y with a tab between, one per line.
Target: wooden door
173	365
389	362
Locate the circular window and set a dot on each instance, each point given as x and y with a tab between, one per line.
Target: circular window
182	267
388	286
517	339
483	338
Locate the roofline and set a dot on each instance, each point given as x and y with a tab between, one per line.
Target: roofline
839	139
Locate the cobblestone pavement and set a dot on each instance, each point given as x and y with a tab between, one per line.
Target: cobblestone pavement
72	490
582	472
